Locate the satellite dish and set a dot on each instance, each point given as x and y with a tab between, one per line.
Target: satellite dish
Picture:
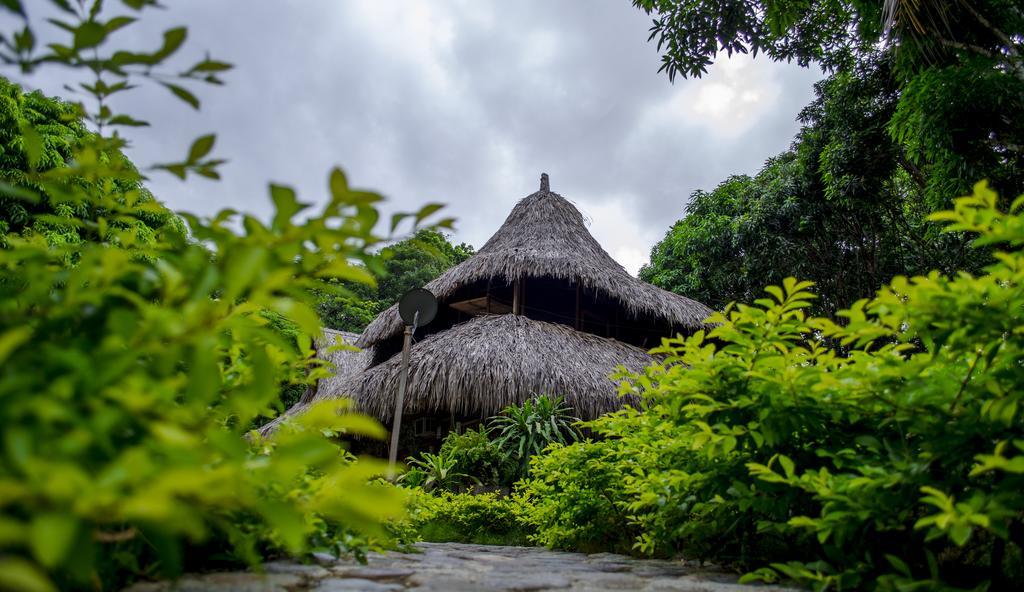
417	300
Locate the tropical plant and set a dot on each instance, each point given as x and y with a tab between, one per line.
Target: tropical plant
579	502
436	471
479	455
526	430
883	453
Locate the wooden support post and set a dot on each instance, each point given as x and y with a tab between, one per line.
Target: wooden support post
579	311
517	302
403	380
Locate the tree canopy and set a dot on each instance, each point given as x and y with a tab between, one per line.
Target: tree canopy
39	137
407	264
917	107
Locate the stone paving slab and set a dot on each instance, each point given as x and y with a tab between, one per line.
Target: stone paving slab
456	567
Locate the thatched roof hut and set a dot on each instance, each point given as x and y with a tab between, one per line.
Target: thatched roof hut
540	309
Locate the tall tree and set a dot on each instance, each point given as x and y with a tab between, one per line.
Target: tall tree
840	207
39	136
921	102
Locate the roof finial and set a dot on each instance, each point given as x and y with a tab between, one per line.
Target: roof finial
544	186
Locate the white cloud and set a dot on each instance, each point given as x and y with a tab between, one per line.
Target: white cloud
619	230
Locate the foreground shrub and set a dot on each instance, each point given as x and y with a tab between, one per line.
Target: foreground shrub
130	378
137	347
887	453
486	518
579	499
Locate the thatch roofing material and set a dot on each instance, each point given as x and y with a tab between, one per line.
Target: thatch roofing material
545	236
479	367
347	364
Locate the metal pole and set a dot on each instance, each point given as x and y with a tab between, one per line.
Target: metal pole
403	379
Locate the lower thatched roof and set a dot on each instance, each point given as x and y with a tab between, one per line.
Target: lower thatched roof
345	364
479	367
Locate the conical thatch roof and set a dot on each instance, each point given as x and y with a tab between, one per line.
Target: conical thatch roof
479	367
545	236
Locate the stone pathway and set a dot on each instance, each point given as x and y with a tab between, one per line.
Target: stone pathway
458	567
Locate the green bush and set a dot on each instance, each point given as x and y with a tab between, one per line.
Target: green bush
476	454
886	453
130	379
486	518
578	497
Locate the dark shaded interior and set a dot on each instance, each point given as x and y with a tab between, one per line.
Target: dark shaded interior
543	299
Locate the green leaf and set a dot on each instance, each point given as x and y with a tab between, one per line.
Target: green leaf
126	120
12	339
338	184
118	22
210	66
33	143
18	574
285	206
427	210
959	534
51	536
25	40
787	466
18	192
396	219
183	94
89	34
201	147
13	6
173	40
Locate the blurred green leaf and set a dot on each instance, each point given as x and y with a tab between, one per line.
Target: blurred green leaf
51	536
183	94
18	574
201	147
33	143
89	34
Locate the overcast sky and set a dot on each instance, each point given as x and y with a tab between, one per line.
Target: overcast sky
464	102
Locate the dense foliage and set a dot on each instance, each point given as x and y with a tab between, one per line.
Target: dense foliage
476	453
436	471
883	453
135	356
407	264
481	518
906	120
498	453
39	134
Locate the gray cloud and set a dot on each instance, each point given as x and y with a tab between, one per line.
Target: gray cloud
463	102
